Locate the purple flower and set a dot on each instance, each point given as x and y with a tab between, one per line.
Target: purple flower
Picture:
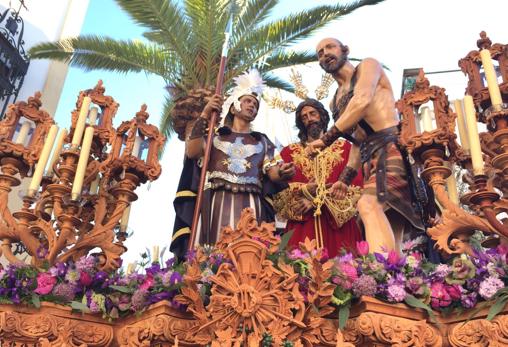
175	278
190	256
365	285
86	263
138	300
489	287
100	276
441	271
65	291
170	262
41	252
396	293
416	285
469	300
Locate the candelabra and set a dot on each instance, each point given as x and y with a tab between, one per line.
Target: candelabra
483	157
79	203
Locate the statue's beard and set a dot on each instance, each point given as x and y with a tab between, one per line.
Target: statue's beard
335	65
314	130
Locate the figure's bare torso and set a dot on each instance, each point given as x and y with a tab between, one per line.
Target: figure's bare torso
380	112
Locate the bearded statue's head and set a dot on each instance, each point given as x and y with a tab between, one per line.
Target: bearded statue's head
313	129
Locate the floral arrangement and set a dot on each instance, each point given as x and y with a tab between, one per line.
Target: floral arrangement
465	282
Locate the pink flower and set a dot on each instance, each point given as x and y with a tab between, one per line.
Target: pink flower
84	278
147	284
45	283
393	258
362	248
349	270
454	291
324	256
439	295
296	254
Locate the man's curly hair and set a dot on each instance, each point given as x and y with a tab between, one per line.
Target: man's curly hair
323	113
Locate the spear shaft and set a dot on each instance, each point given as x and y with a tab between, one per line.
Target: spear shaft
211	127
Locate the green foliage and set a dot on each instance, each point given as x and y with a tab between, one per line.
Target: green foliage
343	315
499	302
184	42
416	303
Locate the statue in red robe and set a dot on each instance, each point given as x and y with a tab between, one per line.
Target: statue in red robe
307	206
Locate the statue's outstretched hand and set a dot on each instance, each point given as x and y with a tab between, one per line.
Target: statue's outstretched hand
339	190
313	147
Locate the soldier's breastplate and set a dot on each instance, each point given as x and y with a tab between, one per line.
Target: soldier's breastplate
236	162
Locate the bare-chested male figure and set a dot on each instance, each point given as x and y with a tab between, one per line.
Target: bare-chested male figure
364	111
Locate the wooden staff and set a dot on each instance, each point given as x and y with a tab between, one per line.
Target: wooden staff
211	127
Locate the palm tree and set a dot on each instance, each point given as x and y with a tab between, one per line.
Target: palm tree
183	46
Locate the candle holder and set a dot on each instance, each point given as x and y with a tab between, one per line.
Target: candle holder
51	225
485	200
430	150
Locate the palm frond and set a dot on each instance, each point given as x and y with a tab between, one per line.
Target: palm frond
208	20
95	52
275	82
166	26
165	124
282	59
252	14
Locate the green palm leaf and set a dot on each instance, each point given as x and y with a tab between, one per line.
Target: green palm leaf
286	58
275	82
166	24
95	52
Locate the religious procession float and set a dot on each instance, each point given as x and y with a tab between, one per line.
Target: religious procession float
250	288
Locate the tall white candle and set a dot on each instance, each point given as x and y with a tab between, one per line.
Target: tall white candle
23	132
81	122
461	125
43	160
426	116
451	186
92	117
77	185
155	255
490	75
58	149
137	146
474	139
124	221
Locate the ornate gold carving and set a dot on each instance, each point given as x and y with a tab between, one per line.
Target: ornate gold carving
383	330
47	329
330	157
480	332
52	226
27	155
471	64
